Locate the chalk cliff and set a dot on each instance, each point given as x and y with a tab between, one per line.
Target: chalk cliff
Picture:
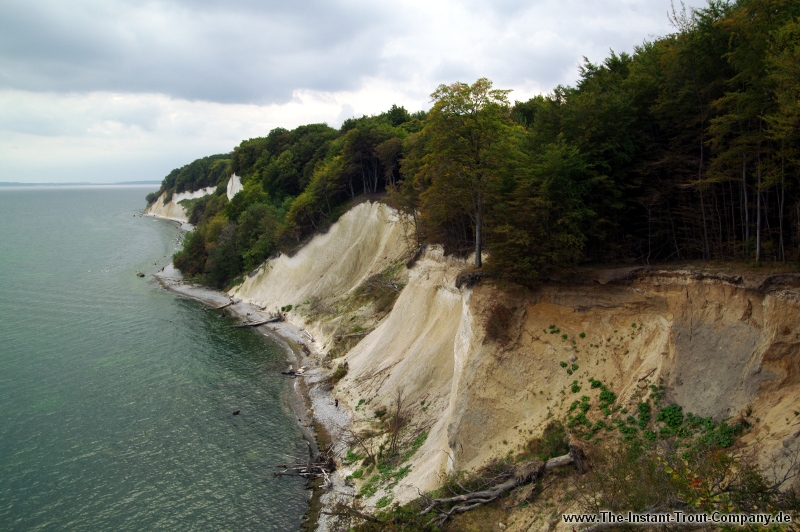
719	343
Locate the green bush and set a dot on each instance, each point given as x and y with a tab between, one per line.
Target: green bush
671	415
552	443
644	414
339	374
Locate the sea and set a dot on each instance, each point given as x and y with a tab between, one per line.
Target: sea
116	396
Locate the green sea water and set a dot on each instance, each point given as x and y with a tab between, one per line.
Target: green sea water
116	397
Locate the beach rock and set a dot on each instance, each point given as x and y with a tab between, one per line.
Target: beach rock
139	274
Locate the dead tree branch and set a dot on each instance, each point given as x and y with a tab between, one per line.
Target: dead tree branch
524	474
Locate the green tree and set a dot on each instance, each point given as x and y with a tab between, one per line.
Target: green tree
541	225
472	147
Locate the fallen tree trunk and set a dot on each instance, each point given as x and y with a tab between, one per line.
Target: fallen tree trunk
257	323
524	474
228	304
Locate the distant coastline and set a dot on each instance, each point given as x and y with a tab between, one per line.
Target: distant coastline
77	184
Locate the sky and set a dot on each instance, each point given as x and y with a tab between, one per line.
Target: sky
119	90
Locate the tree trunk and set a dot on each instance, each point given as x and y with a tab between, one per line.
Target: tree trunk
733	217
706	250
746	206
780	209
478	261
758	210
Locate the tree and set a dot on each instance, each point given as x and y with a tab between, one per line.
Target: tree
472	147
541	225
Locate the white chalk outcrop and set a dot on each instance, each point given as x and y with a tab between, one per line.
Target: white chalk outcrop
234	186
173	210
363	242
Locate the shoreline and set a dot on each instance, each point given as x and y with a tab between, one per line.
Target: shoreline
320	421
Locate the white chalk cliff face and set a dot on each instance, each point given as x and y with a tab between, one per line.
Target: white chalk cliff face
721	344
173	210
234	186
363	242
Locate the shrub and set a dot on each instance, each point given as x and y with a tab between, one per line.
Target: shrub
339	374
644	414
383	502
671	415
607	397
552	443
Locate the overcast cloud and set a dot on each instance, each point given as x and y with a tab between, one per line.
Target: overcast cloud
112	90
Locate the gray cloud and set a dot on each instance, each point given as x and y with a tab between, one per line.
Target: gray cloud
102	88
236	52
261	52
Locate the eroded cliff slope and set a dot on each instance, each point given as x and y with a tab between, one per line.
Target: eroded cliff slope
480	370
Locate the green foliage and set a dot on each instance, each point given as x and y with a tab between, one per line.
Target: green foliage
339	374
687	148
671	415
606	397
720	436
383	502
294	183
418	442
563	364
552	443
470	151
202	173
351	457
644	414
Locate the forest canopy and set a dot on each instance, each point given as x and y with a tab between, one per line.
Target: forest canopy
686	149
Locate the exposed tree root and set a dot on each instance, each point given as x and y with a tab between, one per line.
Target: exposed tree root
524	474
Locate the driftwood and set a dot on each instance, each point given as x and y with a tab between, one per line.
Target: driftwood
295	372
524	474
257	323
320	467
228	304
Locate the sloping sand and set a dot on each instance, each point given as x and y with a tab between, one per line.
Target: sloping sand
364	241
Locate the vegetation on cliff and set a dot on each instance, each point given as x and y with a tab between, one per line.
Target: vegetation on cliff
687	149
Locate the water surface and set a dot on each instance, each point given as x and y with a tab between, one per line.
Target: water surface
116	396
